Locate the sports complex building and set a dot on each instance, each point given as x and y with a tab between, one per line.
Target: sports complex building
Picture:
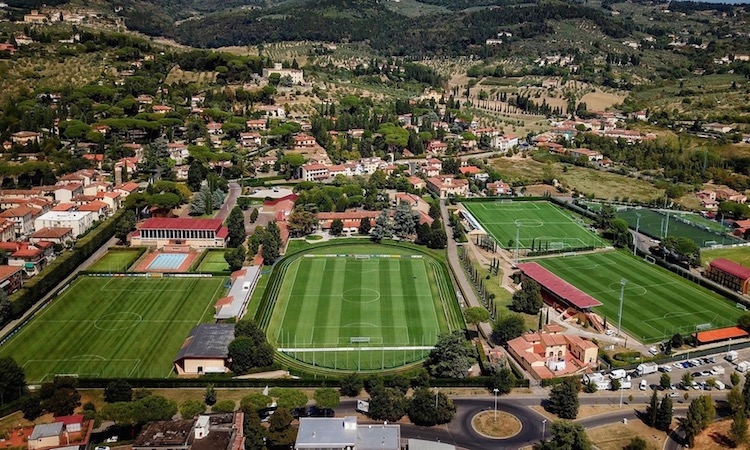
181	232
729	274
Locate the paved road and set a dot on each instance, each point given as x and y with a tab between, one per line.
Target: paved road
457	272
229	201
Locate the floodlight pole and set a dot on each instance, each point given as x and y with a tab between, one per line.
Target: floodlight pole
623	282
518	233
495	391
666	226
635	236
544	427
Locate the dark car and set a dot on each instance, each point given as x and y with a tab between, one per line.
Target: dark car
299	412
320	412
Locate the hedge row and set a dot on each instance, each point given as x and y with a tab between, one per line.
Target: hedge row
37	287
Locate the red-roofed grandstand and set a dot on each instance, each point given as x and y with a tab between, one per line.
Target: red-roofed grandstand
730	274
720	335
557	288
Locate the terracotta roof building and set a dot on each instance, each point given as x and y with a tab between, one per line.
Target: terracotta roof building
550	355
729	273
182	232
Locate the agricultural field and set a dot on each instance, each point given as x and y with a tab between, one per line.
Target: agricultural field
114	327
116	261
740	255
600	183
359	307
657	303
537	223
652	224
213	261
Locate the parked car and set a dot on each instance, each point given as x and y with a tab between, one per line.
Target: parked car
643	385
674	394
320	412
665	368
299	412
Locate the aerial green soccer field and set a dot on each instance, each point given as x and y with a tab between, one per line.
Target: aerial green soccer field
657	303
535	222
652	224
359	305
113	327
213	261
116	261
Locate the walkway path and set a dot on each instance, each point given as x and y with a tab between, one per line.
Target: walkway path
457	272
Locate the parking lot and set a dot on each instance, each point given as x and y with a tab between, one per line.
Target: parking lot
701	369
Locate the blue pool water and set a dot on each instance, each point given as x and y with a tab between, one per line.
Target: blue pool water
169	261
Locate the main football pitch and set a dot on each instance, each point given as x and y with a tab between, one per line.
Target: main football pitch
113	327
657	303
361	307
540	223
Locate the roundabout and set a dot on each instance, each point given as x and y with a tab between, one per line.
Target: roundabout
496	424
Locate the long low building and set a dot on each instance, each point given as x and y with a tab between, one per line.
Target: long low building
557	290
181	232
730	274
206	350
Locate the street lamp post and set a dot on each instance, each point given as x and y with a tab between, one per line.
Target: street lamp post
436	400
518	233
635	236
623	282
495	391
544	427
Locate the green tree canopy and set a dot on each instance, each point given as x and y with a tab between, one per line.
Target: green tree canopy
507	327
565	436
427	408
327	398
451	357
563	400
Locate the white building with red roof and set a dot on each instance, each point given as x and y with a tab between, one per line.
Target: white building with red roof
183	232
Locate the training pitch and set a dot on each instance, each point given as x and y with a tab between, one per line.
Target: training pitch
537	223
360	307
113	327
116	261
657	303
680	225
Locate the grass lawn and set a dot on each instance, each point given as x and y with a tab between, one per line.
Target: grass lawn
384	297
116	260
657	302
540	223
651	223
600	183
213	261
114	327
740	255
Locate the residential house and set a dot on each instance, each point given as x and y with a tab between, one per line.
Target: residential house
256	124
161	109
436	147
296	75
446	185
499	188
11	278
29	257
80	222
303	141
99	209
178	151
271	111
585	153
66	192
24	138
56	235
112	199
126	189
315	172
728	194
22	217
7	230
551	354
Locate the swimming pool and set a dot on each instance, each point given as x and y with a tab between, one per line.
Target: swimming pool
167	261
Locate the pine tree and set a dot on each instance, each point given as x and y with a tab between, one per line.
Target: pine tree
652	410
664	415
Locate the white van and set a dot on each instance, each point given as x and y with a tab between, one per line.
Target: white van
643	386
720	386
